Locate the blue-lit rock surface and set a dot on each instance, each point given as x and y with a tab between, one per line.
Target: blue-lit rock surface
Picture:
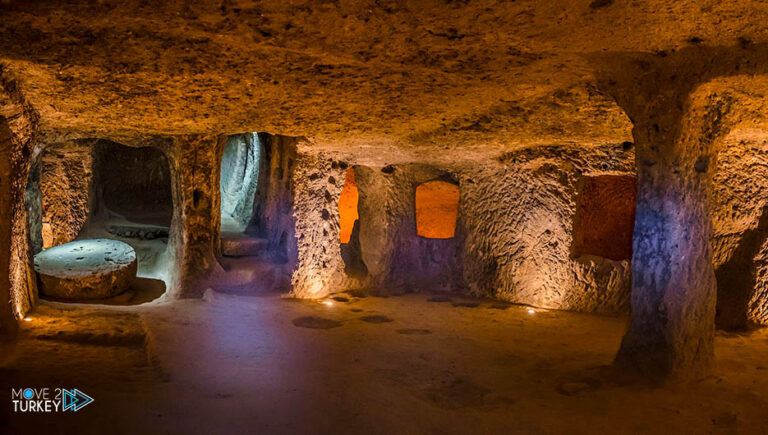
86	269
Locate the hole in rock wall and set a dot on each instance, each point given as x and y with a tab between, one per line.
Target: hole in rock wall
240	167
437	207
605	217
349	228
348	207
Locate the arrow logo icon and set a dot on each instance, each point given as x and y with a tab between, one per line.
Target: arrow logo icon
74	399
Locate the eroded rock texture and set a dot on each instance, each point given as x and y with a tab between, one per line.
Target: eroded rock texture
518	103
273	213
19	122
8	325
519	215
513	237
65	172
195	173
317	182
397	258
740	231
677	132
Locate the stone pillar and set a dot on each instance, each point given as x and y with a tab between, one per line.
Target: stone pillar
316	186
275	194
671	333
383	212
195	175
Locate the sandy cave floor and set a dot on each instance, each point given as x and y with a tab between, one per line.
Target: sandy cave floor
232	364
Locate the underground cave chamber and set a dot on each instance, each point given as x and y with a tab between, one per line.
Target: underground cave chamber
526	236
403	217
102	213
558	237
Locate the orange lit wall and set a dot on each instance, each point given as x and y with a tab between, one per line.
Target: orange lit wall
437	206
348	207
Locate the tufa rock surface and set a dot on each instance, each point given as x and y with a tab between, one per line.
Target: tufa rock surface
86	269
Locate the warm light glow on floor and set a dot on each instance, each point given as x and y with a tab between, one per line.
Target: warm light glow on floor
348	207
437	207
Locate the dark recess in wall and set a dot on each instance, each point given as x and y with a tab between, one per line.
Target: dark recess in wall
605	217
134	182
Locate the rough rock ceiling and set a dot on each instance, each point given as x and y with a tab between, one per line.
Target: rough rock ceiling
448	79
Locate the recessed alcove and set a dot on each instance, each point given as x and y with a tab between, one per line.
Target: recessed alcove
437	207
134	185
243	186
132	201
467	217
605	217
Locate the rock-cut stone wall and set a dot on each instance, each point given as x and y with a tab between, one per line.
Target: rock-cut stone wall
739	209
518	214
66	172
18	142
397	258
316	184
513	239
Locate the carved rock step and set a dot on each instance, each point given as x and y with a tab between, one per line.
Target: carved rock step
250	277
243	245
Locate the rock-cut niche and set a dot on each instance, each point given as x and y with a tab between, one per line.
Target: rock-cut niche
437	208
605	217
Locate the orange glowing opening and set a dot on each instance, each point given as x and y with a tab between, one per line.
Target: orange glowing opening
348	207
437	207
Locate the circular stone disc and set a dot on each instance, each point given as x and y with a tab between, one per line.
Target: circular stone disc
86	269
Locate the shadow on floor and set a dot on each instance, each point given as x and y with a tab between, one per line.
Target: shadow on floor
141	291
